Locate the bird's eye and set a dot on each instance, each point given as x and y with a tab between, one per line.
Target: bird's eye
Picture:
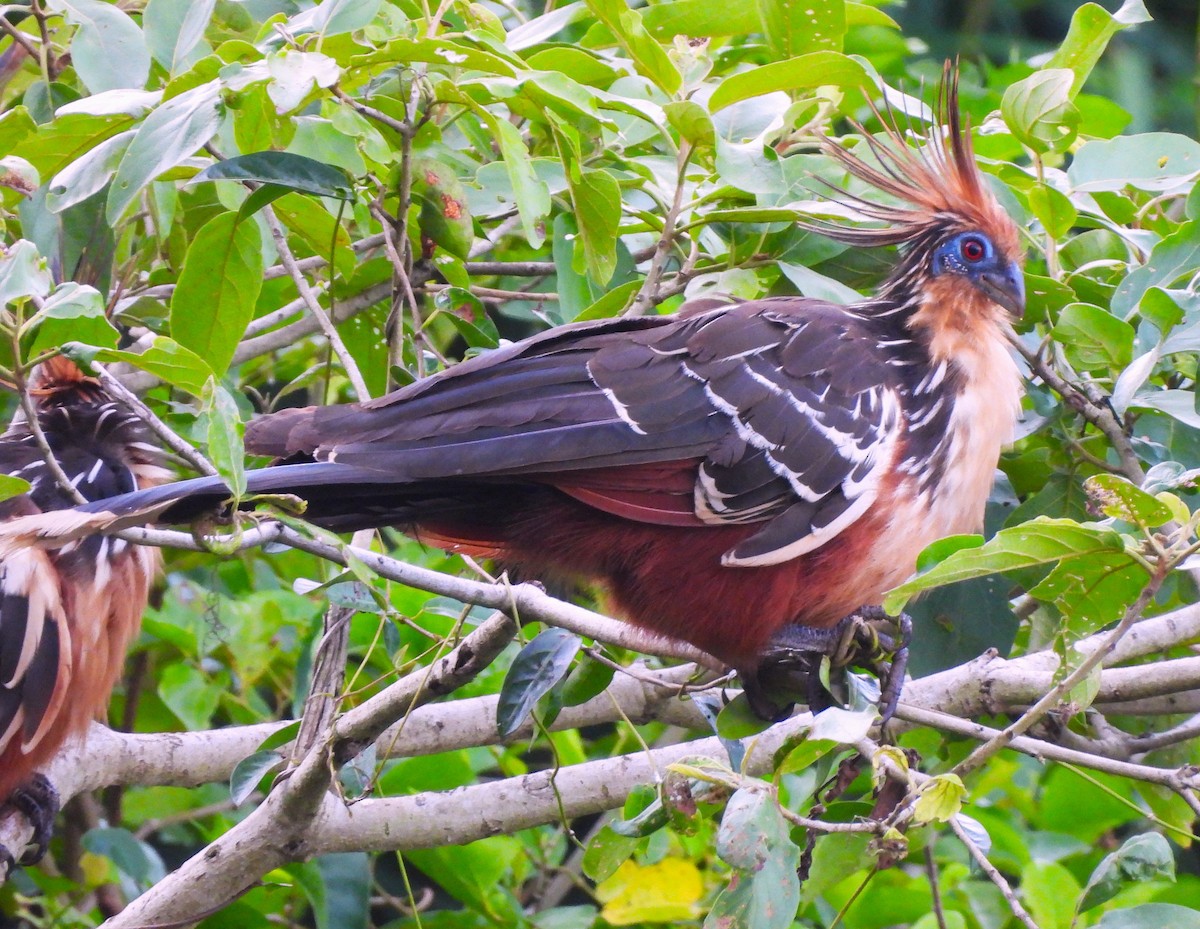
973	249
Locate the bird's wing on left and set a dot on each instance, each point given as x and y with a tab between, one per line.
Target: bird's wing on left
35	646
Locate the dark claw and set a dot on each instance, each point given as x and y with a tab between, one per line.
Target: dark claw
763	705
39	802
791	662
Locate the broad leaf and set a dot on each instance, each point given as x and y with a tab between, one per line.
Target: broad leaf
1040	541
218	289
540	665
175	130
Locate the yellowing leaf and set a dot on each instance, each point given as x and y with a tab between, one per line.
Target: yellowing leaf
663	892
940	799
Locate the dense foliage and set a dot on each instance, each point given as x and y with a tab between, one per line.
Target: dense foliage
238	206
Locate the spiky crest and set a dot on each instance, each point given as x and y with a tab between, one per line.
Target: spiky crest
59	380
940	182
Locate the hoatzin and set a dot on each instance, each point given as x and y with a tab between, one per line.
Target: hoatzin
67	614
741	477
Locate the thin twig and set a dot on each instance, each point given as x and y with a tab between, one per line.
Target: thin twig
492	293
1099	415
170	438
935	888
29	408
26	42
327	327
648	295
1056	693
994	875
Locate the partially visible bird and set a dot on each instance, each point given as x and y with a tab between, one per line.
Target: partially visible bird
739	477
67	614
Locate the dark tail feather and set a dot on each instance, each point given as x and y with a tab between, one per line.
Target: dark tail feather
331	488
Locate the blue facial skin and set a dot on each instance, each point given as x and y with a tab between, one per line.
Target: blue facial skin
973	255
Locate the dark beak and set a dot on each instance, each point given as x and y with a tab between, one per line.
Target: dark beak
1006	286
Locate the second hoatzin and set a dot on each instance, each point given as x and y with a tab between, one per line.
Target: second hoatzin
67	614
734	477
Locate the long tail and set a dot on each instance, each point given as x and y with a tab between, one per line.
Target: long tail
341	497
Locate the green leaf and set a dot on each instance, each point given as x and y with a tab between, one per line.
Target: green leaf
87	175
132	857
469	873
1094	338
164	358
250	772
1152	161
1040	541
596	197
12	486
23	273
293	172
842	726
175	31
1124	500
444	52
612	303
218	289
1091	28
692	122
189	694
334	17
701	18
1053	209
797	27
225	430
815	69
1177	403
347	881
606	852
1050	891
172	132
1140	858
1151	916
1175	256
649	57
73	301
532	195
537	668
754	838
445	216
1094	591
108	50
1039	111
71	136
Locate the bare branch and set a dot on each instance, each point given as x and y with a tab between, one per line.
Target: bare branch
314	307
1010	895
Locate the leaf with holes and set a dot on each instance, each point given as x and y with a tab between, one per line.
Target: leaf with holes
754	839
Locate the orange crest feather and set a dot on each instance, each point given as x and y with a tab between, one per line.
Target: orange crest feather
940	182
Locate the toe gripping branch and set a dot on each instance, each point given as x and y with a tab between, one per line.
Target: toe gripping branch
791	664
39	802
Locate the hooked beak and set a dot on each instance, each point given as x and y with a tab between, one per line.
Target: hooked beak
1005	286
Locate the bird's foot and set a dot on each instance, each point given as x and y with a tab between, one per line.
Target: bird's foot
38	801
793	661
792	664
883	642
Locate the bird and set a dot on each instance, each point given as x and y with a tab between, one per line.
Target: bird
67	613
743	476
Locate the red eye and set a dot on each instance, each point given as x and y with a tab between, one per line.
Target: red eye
973	250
